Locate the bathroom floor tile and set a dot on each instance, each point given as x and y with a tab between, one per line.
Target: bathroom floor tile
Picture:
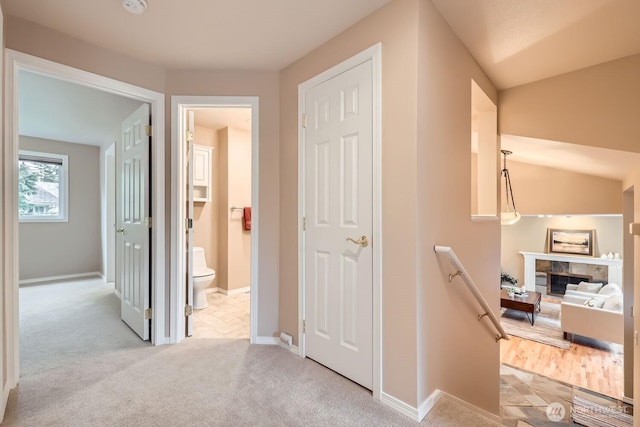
226	317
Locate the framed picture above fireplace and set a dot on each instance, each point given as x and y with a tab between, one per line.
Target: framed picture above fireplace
574	242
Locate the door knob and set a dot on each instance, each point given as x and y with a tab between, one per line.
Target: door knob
362	241
120	230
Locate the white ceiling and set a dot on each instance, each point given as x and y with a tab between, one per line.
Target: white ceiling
514	41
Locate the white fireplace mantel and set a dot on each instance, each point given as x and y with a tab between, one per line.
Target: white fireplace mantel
615	266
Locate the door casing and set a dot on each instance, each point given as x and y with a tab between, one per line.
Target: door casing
374	54
16	61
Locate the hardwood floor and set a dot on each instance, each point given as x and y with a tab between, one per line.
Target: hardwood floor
583	366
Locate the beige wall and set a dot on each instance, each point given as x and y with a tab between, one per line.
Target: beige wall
426	116
542	190
235	190
455	350
49	249
530	235
597	106
205	215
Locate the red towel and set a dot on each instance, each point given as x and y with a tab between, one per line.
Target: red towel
246	218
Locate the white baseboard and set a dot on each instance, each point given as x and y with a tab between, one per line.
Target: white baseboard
230	291
428	404
267	340
292	348
60	278
628	400
399	406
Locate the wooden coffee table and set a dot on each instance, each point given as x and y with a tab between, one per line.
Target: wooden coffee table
528	304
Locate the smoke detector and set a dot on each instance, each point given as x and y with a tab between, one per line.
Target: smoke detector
137	7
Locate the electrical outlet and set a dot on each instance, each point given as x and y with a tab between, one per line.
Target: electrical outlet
286	338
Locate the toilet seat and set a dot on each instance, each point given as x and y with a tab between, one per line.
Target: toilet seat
204	272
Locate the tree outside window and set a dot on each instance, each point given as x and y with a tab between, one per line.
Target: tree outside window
41	186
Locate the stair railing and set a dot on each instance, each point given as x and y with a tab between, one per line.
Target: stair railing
473	288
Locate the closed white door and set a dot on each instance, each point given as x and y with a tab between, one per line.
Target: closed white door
338	210
133	222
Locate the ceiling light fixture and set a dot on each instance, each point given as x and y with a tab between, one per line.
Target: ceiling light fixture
137	7
508	217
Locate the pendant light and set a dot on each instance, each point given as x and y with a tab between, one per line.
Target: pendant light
509	216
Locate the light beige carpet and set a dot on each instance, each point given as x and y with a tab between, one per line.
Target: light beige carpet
82	366
546	328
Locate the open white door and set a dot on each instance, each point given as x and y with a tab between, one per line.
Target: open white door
338	207
190	126
134	221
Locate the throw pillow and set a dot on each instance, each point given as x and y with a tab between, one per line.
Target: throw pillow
594	302
610	289
589	287
614	302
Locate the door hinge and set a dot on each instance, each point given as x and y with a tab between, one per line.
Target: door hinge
148	222
148	130
304	326
188	310
304	120
188	135
148	313
188	223
304	223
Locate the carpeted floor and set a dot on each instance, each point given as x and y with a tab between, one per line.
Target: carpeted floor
82	366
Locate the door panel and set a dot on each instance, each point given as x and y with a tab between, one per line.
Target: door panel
338	205
133	211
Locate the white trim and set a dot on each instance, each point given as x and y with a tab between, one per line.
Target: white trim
373	54
628	400
292	348
237	291
5	398
399	406
480	218
212	290
265	340
63	277
16	61
177	292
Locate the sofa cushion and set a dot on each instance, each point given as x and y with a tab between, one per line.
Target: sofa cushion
595	302
614	303
589	287
610	289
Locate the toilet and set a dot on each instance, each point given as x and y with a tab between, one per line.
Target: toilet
202	278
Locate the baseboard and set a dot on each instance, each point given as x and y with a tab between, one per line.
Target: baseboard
292	348
59	278
478	411
267	340
628	400
428	404
212	290
234	291
399	406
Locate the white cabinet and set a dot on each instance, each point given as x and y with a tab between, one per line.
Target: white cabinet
202	173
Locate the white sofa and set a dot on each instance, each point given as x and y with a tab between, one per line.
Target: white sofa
593	312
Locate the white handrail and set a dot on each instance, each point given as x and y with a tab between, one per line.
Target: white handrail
473	288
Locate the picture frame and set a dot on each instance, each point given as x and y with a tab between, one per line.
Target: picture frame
570	242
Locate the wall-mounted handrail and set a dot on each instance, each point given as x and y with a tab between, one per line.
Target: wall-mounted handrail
473	288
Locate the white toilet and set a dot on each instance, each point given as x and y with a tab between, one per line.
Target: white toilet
202	277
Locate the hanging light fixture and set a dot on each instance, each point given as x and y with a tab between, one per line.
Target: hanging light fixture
509	216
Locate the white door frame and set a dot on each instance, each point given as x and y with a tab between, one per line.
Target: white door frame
16	61
178	187
373	54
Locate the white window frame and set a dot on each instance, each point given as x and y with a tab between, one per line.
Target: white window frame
63	188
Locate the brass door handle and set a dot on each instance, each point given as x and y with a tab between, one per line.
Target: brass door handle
120	230
362	241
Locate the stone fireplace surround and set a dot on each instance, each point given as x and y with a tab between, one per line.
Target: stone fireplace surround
600	269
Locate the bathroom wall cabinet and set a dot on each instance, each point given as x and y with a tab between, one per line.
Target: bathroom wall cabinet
202	173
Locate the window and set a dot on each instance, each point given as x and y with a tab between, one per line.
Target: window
42	187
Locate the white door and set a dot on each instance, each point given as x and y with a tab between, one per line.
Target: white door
189	135
133	221
338	206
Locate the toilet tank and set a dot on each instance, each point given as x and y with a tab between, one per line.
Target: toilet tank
199	262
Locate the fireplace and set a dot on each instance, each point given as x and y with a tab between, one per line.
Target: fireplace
557	281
